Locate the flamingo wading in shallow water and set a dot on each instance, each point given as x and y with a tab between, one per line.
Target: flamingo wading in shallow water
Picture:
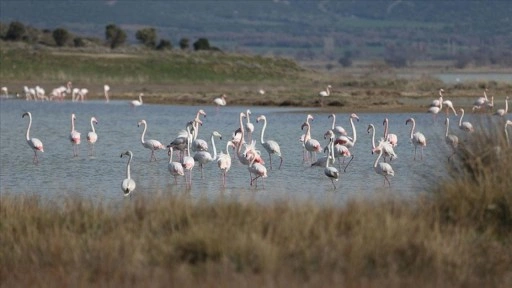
92	137
270	145
149	144
418	139
383	169
204	157
34	143
136	103
465	126
220	101
175	168
74	136
128	184
224	162
451	139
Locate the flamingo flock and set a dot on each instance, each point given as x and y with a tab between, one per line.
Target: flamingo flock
193	151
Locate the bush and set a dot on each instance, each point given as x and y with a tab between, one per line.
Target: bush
61	36
15	32
164	45
147	36
184	44
201	44
79	42
115	36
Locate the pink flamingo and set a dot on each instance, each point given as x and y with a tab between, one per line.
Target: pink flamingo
92	137
150	144
383	169
389	137
74	136
418	139
175	168
224	162
385	145
338	130
450	139
257	169
311	145
270	145
345	140
34	143
329	171
302	140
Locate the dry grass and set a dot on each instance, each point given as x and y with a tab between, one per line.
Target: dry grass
460	236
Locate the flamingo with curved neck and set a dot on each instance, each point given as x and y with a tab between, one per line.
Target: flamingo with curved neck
418	139
383	169
74	136
338	130
149	144
465	126
204	157
175	168
502	112
347	141
92	137
329	171
450	139
386	146
270	145
390	137
128	184
34	143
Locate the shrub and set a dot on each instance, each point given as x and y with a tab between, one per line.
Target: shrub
115	36
61	36
147	36
164	45
15	32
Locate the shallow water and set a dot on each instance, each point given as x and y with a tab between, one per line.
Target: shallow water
99	177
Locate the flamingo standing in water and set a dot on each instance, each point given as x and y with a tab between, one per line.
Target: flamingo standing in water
302	140
465	126
255	168
345	140
220	101
106	89
383	168
325	93
188	162
502	112
204	157
338	130
451	139
385	145
249	127
128	184
270	145
34	143
389	137
175	168
74	136
329	171
136	103
418	139
149	144
311	145
92	137
224	162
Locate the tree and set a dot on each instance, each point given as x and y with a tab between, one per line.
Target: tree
15	32
79	42
164	44
201	44
346	60
61	36
115	36
147	36
184	44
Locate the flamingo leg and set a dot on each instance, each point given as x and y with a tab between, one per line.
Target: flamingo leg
280	163
351	158
270	156
201	166
332	180
386	179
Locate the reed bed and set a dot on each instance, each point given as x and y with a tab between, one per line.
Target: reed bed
460	235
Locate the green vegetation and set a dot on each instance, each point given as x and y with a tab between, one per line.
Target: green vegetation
459	236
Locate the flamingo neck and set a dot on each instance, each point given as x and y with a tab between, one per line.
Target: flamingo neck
447	126
263	131
72	123
227	149
189	139
143	133
242	140
412	127
128	167
333	121
308	132
385	128
30	125
461	116
248	120
92	126
373	136
378	158
506	105
354	133
328	91
214	148
140	99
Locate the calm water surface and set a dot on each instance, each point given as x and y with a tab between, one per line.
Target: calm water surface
100	177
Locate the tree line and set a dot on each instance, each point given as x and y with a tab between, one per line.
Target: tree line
115	37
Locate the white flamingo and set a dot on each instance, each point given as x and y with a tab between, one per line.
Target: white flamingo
338	130
34	143
418	139
311	145
82	93
175	168
40	93
5	92
220	101
128	184
389	137
434	110
224	162
257	169
385	145
74	136
465	126
204	157
188	162
149	144
136	103
92	137
198	144
508	123
451	139
480	101
106	90
249	127
330	171
438	102
325	93
302	139
383	168
502	112
345	140
270	145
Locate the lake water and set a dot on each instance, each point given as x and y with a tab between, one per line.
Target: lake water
99	178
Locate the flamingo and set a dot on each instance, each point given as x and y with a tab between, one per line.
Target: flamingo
74	94
257	169
502	112
249	127
198	144
224	162
436	109
480	101
136	103
181	141
74	136
27	93
128	185
325	93
465	126
92	137
270	145
338	130
438	102
82	93
311	145
175	168
220	101
451	139
329	171
40	93
34	143
418	139
5	92
150	144
383	168
188	162
449	105
204	157
389	137
508	123
302	137
385	145
106	89
345	140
